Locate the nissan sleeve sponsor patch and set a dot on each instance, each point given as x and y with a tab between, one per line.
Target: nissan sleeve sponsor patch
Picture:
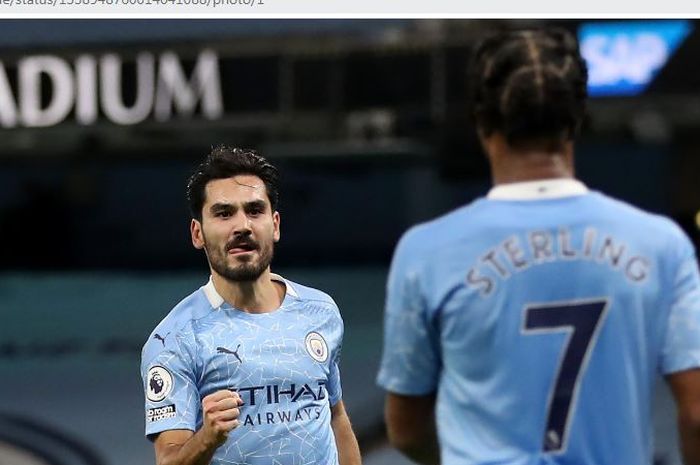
160	413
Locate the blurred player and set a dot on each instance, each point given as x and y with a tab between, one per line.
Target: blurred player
245	369
531	324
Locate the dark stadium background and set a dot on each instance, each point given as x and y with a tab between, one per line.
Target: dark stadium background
367	120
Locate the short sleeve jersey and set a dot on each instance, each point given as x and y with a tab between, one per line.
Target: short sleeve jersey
283	364
541	318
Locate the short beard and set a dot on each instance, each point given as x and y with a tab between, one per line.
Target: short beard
245	272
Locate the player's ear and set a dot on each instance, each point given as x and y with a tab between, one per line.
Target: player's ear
490	142
276	225
483	140
197	234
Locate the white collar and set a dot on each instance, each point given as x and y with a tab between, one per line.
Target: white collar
217	301
536	190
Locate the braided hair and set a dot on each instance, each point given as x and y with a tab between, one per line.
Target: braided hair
529	86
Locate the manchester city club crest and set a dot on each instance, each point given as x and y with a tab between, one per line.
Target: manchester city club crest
316	347
160	383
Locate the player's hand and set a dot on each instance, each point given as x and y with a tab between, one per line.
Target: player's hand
220	412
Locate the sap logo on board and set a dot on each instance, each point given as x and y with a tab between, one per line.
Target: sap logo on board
623	58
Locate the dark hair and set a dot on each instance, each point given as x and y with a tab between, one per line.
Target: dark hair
225	162
529	85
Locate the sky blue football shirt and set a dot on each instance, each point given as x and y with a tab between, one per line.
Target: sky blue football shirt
541	316
283	364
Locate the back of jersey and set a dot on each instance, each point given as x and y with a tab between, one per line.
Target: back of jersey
542	325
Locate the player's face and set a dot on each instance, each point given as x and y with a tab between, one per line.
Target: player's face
238	228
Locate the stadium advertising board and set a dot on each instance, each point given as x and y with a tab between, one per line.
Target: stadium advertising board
625	57
51	89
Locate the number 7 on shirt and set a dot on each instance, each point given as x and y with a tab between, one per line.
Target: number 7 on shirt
581	320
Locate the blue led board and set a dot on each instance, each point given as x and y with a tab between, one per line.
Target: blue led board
624	57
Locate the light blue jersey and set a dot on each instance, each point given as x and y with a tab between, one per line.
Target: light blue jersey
541	316
283	364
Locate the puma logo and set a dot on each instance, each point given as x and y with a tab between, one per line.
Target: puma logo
161	338
224	350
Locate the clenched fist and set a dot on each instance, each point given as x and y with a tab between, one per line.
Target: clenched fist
220	411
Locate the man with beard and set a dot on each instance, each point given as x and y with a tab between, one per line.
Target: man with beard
249	362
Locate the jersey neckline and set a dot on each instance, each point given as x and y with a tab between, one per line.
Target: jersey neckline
540	189
218	303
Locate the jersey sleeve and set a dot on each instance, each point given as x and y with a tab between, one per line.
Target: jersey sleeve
681	350
410	361
171	394
335	390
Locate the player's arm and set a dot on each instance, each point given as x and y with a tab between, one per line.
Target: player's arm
680	355
410	422
685	386
411	358
345	441
183	447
